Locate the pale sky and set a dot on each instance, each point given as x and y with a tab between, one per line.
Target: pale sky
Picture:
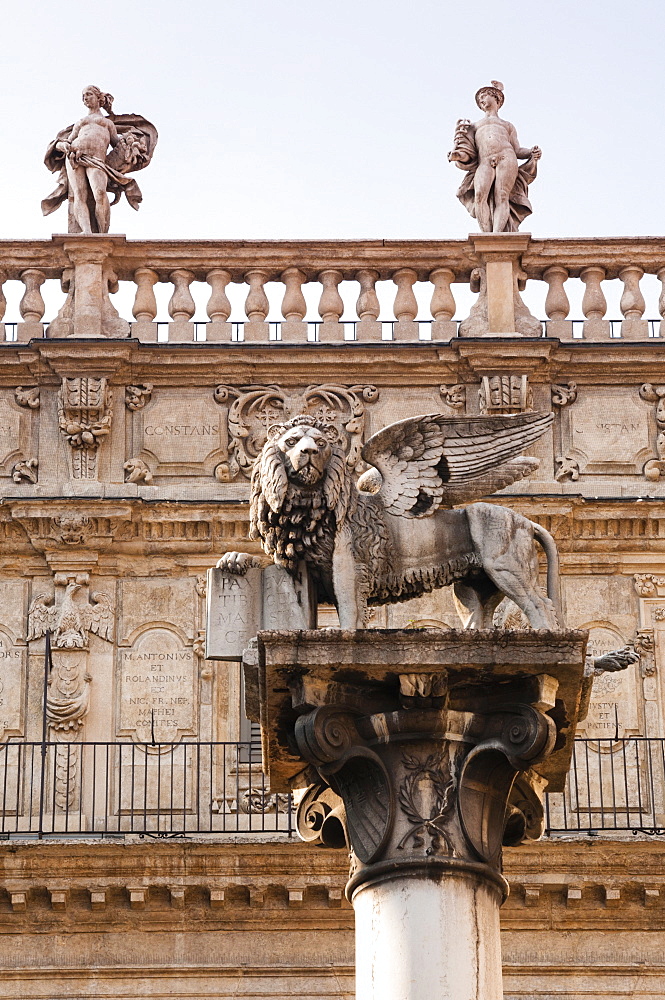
317	119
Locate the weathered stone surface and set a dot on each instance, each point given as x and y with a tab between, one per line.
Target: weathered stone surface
495	189
158	689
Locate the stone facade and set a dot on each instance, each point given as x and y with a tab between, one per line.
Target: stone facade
124	476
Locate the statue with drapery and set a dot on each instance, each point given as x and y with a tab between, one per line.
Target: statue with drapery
94	159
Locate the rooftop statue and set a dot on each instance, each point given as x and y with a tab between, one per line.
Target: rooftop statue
494	190
395	535
88	171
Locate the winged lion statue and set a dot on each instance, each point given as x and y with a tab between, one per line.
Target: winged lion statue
396	534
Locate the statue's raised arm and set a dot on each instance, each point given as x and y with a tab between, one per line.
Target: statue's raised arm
494	190
94	158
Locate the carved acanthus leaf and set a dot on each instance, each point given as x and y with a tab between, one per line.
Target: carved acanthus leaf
25	470
27	397
563	395
136	471
647	585
136	396
567	468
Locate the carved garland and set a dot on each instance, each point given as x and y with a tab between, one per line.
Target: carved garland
84	417
655	468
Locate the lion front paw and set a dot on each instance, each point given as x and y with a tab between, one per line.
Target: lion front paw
237	563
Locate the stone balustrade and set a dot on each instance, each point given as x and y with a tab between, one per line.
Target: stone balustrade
428	286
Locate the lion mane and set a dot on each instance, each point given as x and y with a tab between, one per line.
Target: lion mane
295	522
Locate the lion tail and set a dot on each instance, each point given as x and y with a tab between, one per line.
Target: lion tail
553	578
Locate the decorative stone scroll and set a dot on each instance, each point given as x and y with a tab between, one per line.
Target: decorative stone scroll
655	468
253	408
85	415
14	433
158	687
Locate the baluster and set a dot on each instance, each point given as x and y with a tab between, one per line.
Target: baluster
331	306
145	304
181	307
632	304
594	305
557	305
256	306
219	307
112	324
367	306
442	305
31	305
3	305
294	306
661	301
406	307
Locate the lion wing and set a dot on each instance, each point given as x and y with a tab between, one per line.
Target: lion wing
434	460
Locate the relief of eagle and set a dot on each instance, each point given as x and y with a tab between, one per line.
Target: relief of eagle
70	621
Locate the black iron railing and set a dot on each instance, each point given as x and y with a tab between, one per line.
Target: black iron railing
172	790
613	785
160	790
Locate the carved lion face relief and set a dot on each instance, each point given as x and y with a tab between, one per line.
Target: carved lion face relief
306	452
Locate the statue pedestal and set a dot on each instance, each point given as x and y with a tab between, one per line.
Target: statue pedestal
423	751
499	310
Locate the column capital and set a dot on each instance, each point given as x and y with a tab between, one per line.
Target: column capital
419	744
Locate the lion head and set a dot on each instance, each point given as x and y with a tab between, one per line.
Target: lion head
300	490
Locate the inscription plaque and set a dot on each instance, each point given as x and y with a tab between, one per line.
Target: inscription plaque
613	708
158	688
12	663
184	433
233	612
239	606
609	432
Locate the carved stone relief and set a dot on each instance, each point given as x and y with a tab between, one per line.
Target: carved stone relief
85	415
25	471
177	433
563	395
655	468
615	708
71	617
158	687
505	394
607	432
27	397
12	685
159	599
15	436
454	395
136	396
253	409
136	471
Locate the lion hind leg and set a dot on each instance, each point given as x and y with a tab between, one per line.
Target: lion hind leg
539	610
476	605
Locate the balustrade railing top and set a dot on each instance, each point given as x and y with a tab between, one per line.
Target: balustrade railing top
496	267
